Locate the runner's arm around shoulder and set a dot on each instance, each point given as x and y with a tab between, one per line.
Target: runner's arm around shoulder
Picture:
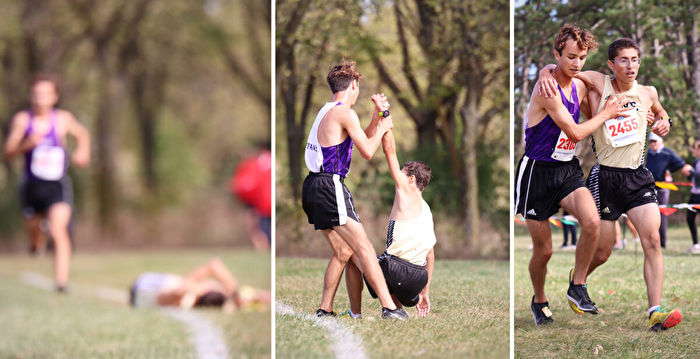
81	154
366	145
577	132
16	144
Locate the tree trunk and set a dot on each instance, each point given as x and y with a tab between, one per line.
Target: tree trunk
106	144
470	179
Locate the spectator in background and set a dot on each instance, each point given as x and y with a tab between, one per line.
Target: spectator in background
660	160
694	198
568	228
251	183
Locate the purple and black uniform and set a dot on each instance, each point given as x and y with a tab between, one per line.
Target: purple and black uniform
324	196
549	170
45	182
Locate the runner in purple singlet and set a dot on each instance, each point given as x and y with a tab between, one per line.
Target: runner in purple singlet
39	134
549	174
327	201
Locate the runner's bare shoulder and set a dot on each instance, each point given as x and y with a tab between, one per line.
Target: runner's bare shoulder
20	119
650	93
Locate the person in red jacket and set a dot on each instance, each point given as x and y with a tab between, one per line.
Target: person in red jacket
251	183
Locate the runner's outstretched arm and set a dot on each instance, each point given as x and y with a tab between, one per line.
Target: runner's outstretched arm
389	147
366	145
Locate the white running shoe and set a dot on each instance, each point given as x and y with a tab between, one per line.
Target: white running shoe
694	249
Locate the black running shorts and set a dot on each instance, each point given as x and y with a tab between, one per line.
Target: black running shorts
404	279
541	185
617	190
38	195
326	200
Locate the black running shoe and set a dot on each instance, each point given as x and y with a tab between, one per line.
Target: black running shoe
578	298
541	312
397	313
322	313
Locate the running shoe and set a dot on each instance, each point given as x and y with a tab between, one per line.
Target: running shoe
694	249
540	312
397	313
660	320
322	313
578	298
348	313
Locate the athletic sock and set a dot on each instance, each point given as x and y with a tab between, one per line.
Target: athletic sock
353	315
653	309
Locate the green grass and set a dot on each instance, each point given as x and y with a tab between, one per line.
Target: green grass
618	289
40	324
468	318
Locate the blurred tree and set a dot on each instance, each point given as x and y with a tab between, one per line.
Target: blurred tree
461	67
308	32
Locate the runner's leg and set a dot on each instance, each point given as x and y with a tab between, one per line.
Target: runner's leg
59	218
354	235
646	219
334	270
581	205
353	281
541	252
605	245
37	240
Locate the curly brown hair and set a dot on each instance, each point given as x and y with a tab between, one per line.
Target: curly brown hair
419	169
342	75
584	39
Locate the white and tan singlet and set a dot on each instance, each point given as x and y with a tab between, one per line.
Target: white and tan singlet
412	239
621	141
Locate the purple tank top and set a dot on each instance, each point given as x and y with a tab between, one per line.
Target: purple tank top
541	139
51	139
336	158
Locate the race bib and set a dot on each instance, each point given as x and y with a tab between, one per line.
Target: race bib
623	130
565	149
48	162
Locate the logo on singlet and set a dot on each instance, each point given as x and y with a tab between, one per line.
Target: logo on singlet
310	146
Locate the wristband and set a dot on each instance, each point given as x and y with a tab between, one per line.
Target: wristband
670	120
384	113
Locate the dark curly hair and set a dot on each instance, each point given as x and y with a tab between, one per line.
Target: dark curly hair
420	170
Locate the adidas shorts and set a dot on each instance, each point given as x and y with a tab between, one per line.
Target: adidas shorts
326	200
617	190
541	185
38	195
404	279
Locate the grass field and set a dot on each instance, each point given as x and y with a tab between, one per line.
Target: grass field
468	319
35	323
617	287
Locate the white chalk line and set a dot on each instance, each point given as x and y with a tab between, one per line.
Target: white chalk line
346	345
206	336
